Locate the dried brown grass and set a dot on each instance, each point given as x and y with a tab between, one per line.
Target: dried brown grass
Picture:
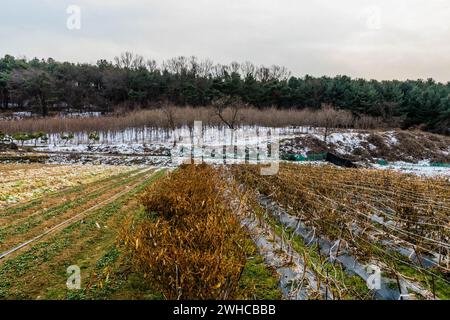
185	116
191	244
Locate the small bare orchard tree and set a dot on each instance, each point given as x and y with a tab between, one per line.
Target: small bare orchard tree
169	112
67	137
36	136
227	109
93	137
21	137
329	116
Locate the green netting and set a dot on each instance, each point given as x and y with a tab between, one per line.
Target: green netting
317	156
293	157
433	164
440	164
310	157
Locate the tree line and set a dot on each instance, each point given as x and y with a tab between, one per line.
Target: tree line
131	80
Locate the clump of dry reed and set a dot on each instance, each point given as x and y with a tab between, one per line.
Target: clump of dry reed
185	116
191	244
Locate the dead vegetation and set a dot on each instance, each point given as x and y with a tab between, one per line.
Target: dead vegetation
191	244
398	221
410	146
228	114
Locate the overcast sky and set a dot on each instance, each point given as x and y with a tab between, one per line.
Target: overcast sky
383	39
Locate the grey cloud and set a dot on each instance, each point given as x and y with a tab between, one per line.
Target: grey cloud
321	37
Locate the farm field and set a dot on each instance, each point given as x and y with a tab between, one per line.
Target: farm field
242	159
79	223
223	232
74	222
343	220
24	182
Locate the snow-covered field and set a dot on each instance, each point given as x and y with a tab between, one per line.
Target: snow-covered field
151	136
160	146
204	142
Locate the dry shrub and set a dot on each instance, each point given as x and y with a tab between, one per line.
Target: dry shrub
191	244
409	144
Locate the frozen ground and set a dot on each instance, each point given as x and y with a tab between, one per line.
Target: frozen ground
158	146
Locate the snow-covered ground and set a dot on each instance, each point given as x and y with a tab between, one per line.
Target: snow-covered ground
147	135
423	168
16	115
207	141
345	142
157	146
163	146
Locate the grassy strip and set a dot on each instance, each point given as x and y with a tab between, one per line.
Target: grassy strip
258	280
441	288
112	278
28	205
431	279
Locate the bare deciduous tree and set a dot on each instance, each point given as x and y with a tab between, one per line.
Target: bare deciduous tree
248	69
130	61
206	68
220	70
169	112
330	116
279	73
152	65
235	66
178	65
227	109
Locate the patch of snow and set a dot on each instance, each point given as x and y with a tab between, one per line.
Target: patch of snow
446	152
391	138
422	168
345	142
93	114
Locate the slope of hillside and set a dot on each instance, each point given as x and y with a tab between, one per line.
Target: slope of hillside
371	146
